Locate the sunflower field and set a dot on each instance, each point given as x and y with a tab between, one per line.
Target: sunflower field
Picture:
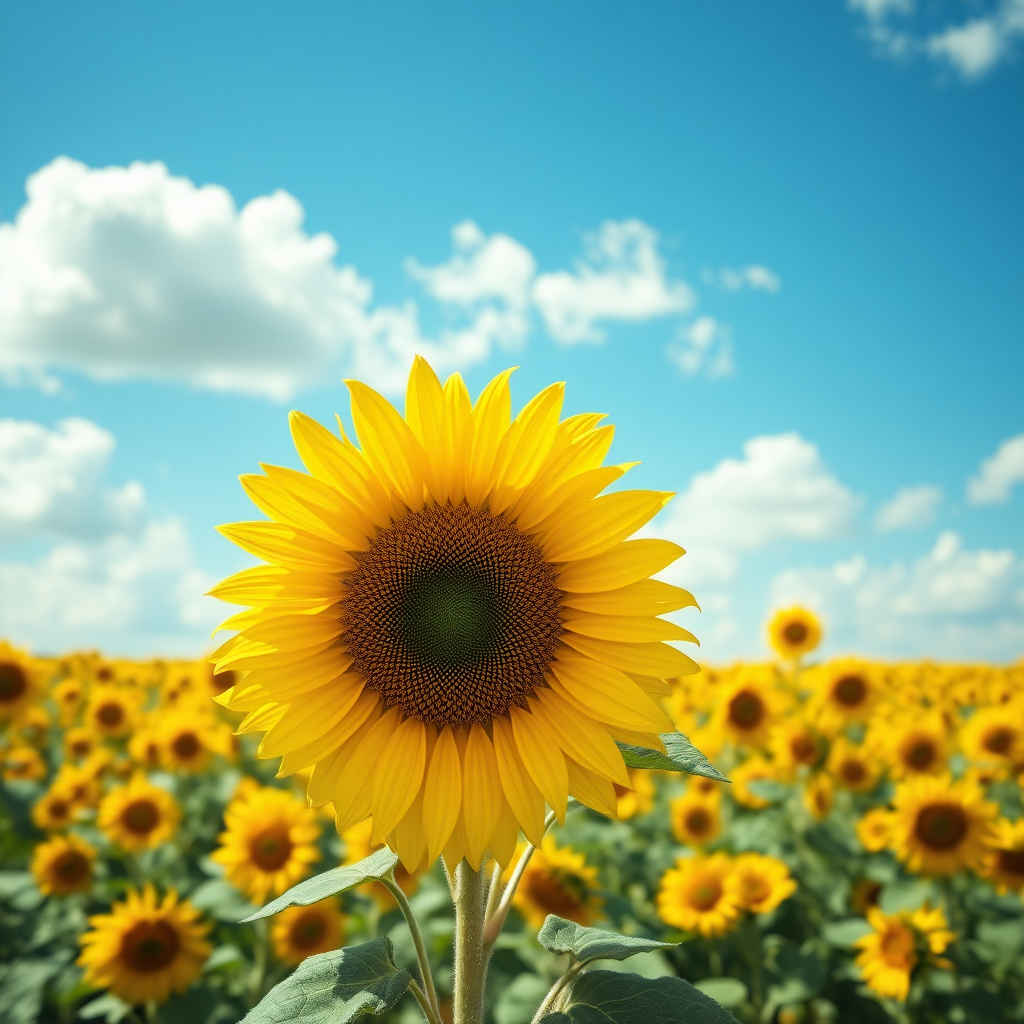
864	863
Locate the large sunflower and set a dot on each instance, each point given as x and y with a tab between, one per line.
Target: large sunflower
139	815
63	865
701	894
452	627
940	827
144	950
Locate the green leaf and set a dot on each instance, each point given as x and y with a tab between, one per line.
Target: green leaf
21	988
518	1000
845	933
221	900
608	997
335	987
680	756
107	1006
729	992
587	944
328	883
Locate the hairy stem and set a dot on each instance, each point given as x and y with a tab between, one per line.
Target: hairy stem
421	998
417	939
551	999
470	960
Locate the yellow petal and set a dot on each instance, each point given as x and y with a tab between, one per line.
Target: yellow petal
526	444
544	516
659	660
326	774
288	546
424	412
261	719
353	794
591	789
523	796
623	564
600	524
505	836
387	443
255	586
489	424
628	629
308	719
247	655
309	674
364	711
294	632
645	597
543	760
410	842
458	432
481	794
324	503
580	736
395	787
605	693
442	796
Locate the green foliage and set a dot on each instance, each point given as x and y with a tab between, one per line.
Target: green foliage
680	756
336	987
588	944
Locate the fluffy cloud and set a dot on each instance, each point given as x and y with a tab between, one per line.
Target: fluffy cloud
998	474
704	345
972	48
951	602
51	482
129	272
909	508
117	577
779	490
622	278
755	277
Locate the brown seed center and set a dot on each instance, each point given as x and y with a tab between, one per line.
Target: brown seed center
556	893
698	821
746	710
705	895
186	745
999	740
921	754
71	867
804	749
140	817
850	691
1011	862
941	826
452	615
795	633
150	946
853	771
271	848
13	682
309	930
111	715
898	947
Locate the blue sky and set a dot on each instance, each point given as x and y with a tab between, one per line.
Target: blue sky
780	245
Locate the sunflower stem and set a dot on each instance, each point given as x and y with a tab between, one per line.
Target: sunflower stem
421	998
470	959
417	939
551	999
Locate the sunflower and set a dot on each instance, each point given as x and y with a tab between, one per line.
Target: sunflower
852	767
845	691
79	743
912	746
696	820
111	711
19	681
995	735
557	880
794	632
188	740
24	762
1004	863
144	747
269	842
637	797
452	623
144	950
874	830
80	782
748	708
67	695
864	895
796	744
139	816
762	882
940	827
56	809
819	795
33	726
299	932
754	769
63	865
896	944
700	894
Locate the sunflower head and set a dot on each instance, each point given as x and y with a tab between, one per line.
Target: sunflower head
1004	861
188	739
753	769
696	820
23	762
797	746
852	766
845	691
637	797
762	882
559	881
111	710
819	795
794	632
139	815
941	827
912	745
68	695
145	948
19	681
452	628
700	894
63	865
994	736
748	708
874	830
298	932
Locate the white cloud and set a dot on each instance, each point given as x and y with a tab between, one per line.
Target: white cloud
51	482
755	277
951	602
127	594
704	345
972	48
780	490
125	272
909	508
622	278
998	474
